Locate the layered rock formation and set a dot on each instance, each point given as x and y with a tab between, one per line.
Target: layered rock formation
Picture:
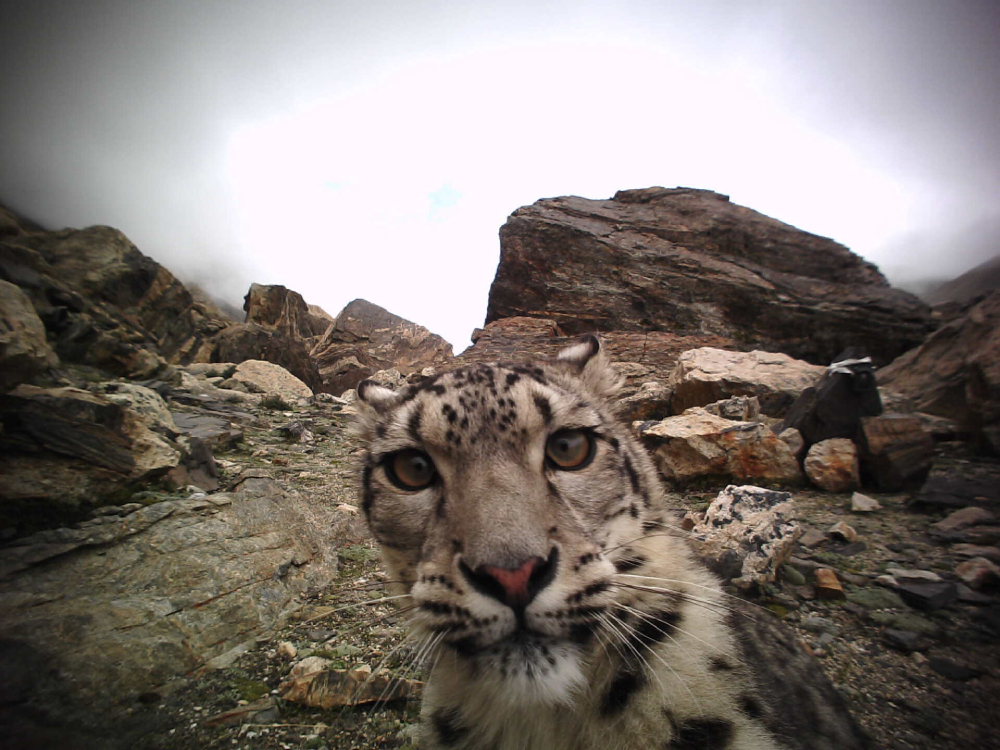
692	263
365	338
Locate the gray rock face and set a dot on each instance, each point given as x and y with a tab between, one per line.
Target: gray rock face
692	263
24	352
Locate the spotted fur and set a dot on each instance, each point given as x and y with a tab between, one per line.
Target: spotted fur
559	609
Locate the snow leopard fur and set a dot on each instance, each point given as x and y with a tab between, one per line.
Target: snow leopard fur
559	607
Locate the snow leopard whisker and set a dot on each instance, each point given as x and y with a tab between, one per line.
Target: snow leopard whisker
683	535
411	635
370	602
690	583
682	595
618	628
646	616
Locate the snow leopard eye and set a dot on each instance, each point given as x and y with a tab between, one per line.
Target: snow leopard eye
410	469
570	449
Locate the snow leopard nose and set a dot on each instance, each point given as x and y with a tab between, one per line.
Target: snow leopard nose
515	587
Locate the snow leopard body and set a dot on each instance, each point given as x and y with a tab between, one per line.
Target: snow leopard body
559	607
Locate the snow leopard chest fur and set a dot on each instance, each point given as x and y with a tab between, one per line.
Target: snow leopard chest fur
558	607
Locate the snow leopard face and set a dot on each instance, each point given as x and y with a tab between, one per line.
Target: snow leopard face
505	498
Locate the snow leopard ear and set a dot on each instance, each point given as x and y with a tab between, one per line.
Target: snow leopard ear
378	397
586	360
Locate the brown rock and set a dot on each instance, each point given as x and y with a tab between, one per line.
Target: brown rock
697	445
277	307
691	262
330	688
895	451
706	375
267	377
841	530
979	572
250	341
956	372
864	504
794	439
964	518
365	338
827	585
24	352
832	465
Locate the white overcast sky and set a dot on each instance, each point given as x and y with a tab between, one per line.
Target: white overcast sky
373	149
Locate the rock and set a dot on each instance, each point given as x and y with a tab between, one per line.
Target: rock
267	377
24	352
698	445
979	573
908	621
812	538
864	504
215	431
263	711
875	598
895	451
928	596
737	408
650	402
964	518
944	491
827	585
955	373
747	534
277	307
365	338
287	650
106	304
140	399
691	262
330	688
832	465
249	341
951	670
901	575
391	378
904	640
794	439
703	376
974	550
841	530
65	450
835	406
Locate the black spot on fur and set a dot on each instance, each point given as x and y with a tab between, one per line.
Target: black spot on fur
718	664
380	430
613	442
630	563
439	508
702	734
367	496
653	628
544	408
633	478
413	426
622	688
751	706
512	377
447	726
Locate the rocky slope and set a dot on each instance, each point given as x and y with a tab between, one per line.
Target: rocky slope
690	262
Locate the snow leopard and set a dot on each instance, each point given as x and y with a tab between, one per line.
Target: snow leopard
558	604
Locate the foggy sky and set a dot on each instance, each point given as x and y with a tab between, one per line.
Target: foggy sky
373	150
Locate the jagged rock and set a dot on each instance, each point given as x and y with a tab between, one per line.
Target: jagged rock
930	595
250	341
106	304
955	373
277	307
828	585
698	445
639	357
651	401
895	451
747	534
793	438
65	450
365	338
267	377
703	376
24	352
834	407
832	465
691	262
191	582
864	504
140	399
390	378
979	572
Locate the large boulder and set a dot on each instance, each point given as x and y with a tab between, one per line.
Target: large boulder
690	262
365	338
703	376
700	447
24	352
955	373
274	306
252	341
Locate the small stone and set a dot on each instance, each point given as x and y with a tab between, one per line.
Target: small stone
832	465
902	640
864	504
887	580
914	576
794	439
951	670
287	650
347	508
812	538
841	530
968	596
976	550
827	585
874	598
929	596
907	621
855	548
817	624
961	519
978	573
793	576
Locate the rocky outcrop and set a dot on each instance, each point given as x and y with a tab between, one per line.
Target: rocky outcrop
692	263
956	373
365	338
981	280
245	341
24	352
104	303
277	307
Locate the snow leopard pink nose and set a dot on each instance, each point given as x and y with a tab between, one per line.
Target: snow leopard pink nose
515	587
